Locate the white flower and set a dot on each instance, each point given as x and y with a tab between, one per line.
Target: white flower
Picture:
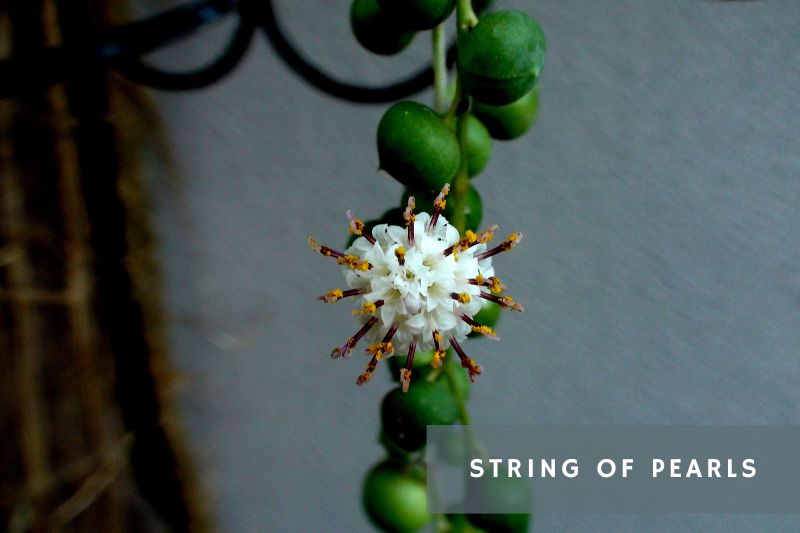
418	286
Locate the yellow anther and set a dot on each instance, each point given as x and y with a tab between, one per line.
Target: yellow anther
479	279
484	330
470	236
438	358
509	302
354	262
368	308
332	296
464	298
405	378
440	202
512	240
400	254
379	349
496	285
437	337
408	214
357	226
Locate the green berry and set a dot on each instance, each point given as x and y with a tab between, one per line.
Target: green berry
479	146
499	493
460	524
488	316
473	207
509	121
416	147
406	415
376	30
501	58
419	14
395	497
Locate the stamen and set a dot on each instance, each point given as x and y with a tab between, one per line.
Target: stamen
324	250
472	367
400	254
357	227
353	262
463	298
479	328
408	216
494	283
503	301
352	341
510	242
405	373
439	204
377	350
438	357
368	308
337	294
470	239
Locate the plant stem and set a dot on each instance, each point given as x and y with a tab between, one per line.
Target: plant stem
439	69
461	181
467	18
463	414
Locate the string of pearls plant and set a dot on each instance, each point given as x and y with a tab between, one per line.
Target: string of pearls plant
424	280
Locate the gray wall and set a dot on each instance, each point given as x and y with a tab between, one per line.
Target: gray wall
659	199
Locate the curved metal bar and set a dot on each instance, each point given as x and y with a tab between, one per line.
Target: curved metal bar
140	72
346	91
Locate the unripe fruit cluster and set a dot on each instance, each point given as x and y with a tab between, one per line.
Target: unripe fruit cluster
500	58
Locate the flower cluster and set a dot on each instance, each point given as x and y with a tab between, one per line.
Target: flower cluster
418	287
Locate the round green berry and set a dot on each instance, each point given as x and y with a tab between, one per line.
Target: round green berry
501	58
503	493
419	14
479	146
416	147
487	316
395	497
405	415
460	524
376	30
509	121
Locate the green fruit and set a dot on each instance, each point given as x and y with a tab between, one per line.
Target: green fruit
419	14
479	146
501	58
473	207
502	493
509	121
406	415
395	498
392	216
488	316
460	524
416	147
376	30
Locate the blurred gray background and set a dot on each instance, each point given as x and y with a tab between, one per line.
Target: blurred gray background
659	195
